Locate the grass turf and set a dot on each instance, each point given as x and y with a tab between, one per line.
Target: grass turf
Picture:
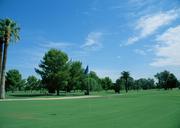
144	109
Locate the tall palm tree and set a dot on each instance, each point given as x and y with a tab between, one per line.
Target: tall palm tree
2	33
9	32
125	75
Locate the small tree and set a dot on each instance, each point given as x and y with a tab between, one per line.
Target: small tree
13	80
75	75
126	76
32	83
106	83
117	85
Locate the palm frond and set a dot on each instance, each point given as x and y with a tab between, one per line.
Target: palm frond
8	26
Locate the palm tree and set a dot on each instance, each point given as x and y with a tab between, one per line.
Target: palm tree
125	75
9	32
1	50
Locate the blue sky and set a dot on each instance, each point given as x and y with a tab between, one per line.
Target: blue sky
140	36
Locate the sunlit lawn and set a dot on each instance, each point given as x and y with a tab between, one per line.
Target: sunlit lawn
143	109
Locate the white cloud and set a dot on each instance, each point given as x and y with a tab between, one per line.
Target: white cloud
132	40
148	24
140	52
52	44
93	41
167	48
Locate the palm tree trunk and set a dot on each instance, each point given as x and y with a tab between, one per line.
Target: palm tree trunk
1	50
2	96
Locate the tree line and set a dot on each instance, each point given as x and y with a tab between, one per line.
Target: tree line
58	73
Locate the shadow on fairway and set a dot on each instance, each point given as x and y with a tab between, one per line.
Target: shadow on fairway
44	95
29	95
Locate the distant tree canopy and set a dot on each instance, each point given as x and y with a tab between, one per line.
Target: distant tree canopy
118	85
13	80
106	83
33	83
145	84
126	76
58	73
166	80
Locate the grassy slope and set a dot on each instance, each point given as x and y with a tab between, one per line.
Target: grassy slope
147	109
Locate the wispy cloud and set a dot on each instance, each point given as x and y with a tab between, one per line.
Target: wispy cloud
140	52
167	48
53	44
93	41
148	24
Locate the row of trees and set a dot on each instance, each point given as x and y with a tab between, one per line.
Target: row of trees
59	73
165	80
14	82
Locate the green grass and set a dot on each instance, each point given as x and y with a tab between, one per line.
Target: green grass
144	109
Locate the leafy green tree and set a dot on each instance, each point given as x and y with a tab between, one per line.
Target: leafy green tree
166	80
151	83
130	83
137	85
23	84
54	70
32	83
13	80
159	78
93	75
164	77
76	76
62	78
117	85
172	81
9	31
92	84
106	83
145	83
125	75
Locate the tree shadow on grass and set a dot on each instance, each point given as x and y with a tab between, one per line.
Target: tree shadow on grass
29	95
46	95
